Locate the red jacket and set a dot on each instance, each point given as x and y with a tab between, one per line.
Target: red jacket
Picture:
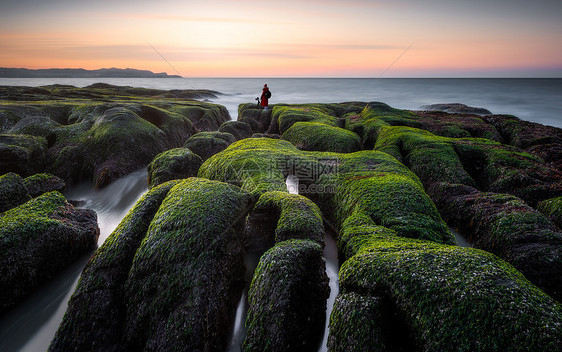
264	101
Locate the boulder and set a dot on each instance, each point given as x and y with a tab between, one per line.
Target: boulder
13	192
207	144
287	299
239	130
38	239
173	164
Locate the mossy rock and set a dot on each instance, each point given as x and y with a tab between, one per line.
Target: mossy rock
100	133
99	295
22	154
38	239
188	273
43	183
257	165
536	139
376	185
286	116
13	192
287	299
357	322
173	164
240	130
207	144
341	184
280	216
255	116
506	226
315	136
552	208
450	296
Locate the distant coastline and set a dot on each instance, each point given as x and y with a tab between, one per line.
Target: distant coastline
81	73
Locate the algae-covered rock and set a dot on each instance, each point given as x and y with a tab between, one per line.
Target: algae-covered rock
286	116
552	208
450	296
280	216
22	154
287	299
37	240
315	136
207	144
96	311
506	226
238	129
255	116
357	323
12	191
173	164
456	108
256	165
43	183
534	138
188	273
98	133
169	276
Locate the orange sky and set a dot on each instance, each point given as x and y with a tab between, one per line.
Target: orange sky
357	38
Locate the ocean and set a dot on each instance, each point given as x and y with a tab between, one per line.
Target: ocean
537	100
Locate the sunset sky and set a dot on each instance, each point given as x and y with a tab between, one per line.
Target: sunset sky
219	38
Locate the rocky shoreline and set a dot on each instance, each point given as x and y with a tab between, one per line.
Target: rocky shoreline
389	182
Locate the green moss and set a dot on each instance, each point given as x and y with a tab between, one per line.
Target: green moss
173	164
287	299
451	296
296	217
256	165
38	239
357	321
12	191
43	183
315	136
238	129
288	115
188	272
552	208
22	154
207	144
342	184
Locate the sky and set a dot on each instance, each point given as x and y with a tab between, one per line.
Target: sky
290	38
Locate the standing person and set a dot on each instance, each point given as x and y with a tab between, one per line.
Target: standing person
265	95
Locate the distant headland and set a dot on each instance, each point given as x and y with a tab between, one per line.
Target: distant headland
81	73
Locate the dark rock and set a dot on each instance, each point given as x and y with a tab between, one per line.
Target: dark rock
43	183
456	108
239	130
40	238
13	192
540	140
173	164
207	144
22	154
287	299
552	208
506	226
